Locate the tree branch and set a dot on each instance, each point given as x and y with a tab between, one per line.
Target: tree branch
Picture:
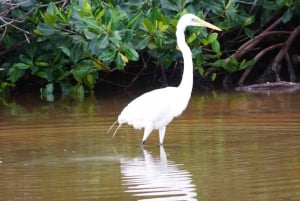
283	51
246	47
255	59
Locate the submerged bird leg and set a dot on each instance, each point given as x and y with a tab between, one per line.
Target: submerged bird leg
147	132
162	133
108	130
117	130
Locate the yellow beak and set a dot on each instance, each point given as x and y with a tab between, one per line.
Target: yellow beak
208	25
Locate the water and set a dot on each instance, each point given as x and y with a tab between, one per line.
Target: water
226	146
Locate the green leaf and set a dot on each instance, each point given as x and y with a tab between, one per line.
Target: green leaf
90	35
49	19
174	5
161	26
212	38
201	71
215	45
47	74
204	42
213	76
115	41
65	50
133	22
142	44
249	32
76	52
80	72
130	53
41	63
52	9
191	38
287	15
230	67
219	63
233	65
152	45
45	30
120	61
248	21
234	61
100	15
148	25
90	80
92	24
79	91
126	35
103	43
118	16
63	75
14	74
86	6
21	66
37	32
246	64
94	46
117	36
24	59
107	56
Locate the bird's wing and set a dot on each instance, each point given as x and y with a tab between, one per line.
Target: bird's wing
154	107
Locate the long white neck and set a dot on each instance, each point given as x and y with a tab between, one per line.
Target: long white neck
186	83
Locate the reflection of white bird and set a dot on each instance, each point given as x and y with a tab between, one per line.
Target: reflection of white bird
157	108
156	178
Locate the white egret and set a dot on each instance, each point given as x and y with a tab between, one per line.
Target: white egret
157	108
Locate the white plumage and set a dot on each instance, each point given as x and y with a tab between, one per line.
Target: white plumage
157	108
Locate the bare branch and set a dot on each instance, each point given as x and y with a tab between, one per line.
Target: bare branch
257	58
283	51
246	47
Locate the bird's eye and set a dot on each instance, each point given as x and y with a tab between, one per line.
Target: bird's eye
194	20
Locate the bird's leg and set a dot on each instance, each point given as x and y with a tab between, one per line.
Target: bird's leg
108	130
162	133
147	132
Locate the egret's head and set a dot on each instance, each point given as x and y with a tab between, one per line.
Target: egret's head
193	20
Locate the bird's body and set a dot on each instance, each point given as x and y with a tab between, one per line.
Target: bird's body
165	110
156	109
